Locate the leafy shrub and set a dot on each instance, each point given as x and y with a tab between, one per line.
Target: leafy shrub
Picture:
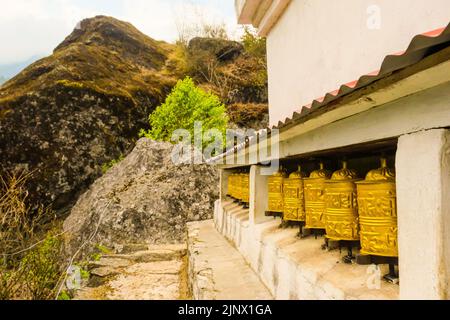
37	274
42	269
186	105
29	248
177	63
18	221
64	295
249	115
255	46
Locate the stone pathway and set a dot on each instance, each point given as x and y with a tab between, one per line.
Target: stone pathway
158	273
208	268
217	271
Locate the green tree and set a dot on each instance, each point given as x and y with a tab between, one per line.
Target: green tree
184	106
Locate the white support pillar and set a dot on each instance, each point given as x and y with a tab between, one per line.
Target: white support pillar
258	196
224	174
423	191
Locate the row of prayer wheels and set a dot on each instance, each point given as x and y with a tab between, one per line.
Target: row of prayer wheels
239	187
345	207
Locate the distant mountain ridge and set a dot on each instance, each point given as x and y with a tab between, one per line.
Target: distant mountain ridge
7	71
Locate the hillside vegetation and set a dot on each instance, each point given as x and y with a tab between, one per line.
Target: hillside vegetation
67	115
69	123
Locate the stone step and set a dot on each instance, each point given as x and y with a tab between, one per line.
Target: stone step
157	273
217	271
152	254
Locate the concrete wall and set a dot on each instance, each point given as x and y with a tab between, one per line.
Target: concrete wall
291	268
258	194
317	45
423	192
297	269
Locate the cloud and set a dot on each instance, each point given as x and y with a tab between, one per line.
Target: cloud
35	27
153	17
161	19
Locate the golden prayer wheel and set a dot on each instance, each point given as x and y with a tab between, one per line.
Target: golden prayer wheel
341	213
245	188
378	212
239	186
294	200
315	198
275	184
232	186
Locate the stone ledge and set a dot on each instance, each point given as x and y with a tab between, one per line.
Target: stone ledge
296	269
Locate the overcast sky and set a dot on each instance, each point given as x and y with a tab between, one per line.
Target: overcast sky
34	27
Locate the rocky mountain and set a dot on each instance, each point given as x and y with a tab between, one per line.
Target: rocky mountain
145	199
66	115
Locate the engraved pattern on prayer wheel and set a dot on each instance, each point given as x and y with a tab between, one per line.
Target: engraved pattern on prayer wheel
245	188
294	200
378	212
315	198
238	186
341	213
275	186
232	186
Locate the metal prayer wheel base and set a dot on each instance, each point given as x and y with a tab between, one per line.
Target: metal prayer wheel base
330	245
296	224
392	277
350	258
284	224
302	232
244	205
274	214
316	233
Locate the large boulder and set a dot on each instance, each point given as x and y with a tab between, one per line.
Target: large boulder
223	50
145	199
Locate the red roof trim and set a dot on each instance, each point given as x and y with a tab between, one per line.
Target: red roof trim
419	48
419	42
434	33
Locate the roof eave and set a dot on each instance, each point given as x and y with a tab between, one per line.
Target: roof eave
261	14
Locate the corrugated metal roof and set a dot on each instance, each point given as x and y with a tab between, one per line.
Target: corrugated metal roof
420	47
